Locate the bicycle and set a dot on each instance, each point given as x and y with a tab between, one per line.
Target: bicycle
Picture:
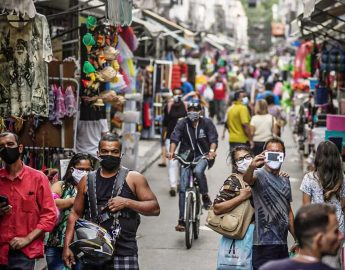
193	207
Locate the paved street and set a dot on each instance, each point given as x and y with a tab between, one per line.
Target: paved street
161	248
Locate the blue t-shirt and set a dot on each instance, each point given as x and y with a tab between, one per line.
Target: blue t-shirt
268	93
290	264
187	87
272	198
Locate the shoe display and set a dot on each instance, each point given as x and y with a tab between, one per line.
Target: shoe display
206	201
172	192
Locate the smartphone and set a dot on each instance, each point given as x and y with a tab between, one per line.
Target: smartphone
4	199
274	156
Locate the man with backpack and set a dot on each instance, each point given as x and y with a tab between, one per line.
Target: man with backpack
105	193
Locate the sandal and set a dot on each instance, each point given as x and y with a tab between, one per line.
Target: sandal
180	227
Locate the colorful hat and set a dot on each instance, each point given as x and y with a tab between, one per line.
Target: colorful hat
88	68
91	22
88	41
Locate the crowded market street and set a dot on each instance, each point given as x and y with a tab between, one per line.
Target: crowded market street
159	242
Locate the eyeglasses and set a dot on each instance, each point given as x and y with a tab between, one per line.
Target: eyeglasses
241	159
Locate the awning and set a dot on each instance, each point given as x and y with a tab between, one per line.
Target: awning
167	23
319	17
152	29
219	41
213	43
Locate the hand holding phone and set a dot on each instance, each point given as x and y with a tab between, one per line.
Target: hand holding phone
5	208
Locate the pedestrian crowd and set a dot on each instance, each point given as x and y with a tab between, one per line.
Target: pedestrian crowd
101	203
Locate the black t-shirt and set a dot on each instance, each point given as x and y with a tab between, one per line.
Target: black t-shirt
177	111
290	264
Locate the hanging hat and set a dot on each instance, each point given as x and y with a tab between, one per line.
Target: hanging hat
88	41
110	53
91	22
88	68
99	103
108	74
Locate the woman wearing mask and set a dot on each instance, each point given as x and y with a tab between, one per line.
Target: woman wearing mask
64	193
231	193
326	185
174	110
263	126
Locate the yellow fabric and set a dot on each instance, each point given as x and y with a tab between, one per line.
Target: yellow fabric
237	116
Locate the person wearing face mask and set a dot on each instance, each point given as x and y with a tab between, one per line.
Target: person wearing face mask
135	197
64	193
27	209
173	111
317	231
237	122
186	86
272	198
197	137
231	193
220	90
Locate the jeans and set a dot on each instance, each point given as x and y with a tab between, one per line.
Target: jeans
199	172
219	108
54	258
173	166
265	253
258	148
17	260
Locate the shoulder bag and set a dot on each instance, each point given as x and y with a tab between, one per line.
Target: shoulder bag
235	223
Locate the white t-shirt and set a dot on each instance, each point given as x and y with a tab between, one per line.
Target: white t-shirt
89	134
263	127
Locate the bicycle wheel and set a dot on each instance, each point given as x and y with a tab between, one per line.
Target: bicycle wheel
196	223
189	221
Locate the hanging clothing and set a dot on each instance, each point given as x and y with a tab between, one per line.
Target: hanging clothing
120	12
23	7
24	54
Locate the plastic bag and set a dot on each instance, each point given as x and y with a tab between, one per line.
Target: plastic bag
236	254
208	94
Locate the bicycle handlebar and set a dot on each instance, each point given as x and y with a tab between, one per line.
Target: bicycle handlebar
188	163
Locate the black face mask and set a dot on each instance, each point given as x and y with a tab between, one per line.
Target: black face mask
110	163
9	155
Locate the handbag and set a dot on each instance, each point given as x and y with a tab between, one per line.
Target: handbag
235	223
236	254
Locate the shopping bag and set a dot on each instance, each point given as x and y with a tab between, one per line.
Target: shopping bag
236	254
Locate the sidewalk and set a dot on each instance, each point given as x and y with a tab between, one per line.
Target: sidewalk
149	152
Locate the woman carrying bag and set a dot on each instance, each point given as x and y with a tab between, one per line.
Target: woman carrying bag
235	254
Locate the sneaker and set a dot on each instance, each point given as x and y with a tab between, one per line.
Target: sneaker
206	201
181	226
172	192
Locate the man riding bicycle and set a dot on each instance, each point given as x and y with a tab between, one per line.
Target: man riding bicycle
197	137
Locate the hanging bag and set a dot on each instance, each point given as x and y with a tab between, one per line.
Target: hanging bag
235	223
236	254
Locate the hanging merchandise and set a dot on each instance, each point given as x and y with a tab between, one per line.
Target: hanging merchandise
22	7
120	12
25	52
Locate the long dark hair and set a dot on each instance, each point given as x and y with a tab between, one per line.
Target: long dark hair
328	168
67	178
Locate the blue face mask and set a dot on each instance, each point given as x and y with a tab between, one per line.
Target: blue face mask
245	101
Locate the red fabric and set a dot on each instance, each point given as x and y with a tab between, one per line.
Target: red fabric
184	69
146	115
219	91
33	208
176	77
300	61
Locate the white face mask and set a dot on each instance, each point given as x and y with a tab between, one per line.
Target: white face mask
78	174
274	165
245	101
242	168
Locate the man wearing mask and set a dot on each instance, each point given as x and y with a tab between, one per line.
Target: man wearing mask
135	198
272	198
317	232
173	111
27	209
186	86
238	122
220	90
197	137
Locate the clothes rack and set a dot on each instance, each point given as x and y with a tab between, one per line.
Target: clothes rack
75	124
